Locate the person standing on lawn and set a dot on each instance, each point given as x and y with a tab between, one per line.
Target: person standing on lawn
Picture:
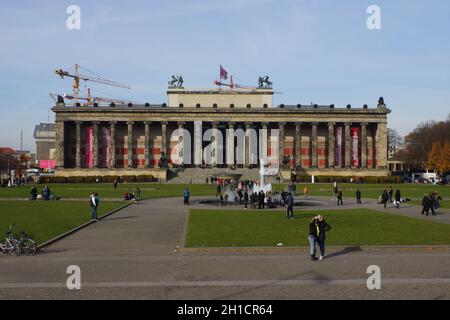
290	206
317	230
115	184
94	201
358	196
33	193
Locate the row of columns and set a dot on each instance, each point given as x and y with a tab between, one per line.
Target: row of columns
380	142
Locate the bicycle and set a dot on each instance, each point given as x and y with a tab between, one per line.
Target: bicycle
10	245
27	244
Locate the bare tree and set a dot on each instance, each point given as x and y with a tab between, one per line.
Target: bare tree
395	142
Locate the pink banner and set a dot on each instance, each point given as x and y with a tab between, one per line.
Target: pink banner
47	164
355	147
89	147
338	148
106	146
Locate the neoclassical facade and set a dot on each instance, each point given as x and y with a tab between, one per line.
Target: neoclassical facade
131	139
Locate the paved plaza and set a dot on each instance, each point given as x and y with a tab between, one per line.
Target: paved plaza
133	255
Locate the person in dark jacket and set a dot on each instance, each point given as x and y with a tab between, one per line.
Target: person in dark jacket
317	230
290	206
390	194
431	202
33	193
398	199
425	205
339	198
384	198
358	196
246	199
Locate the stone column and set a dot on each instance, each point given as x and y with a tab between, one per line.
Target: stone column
298	144
181	140
348	144
112	125
147	144
198	143
230	144
248	128
281	143
263	143
78	144
59	137
214	144
164	139
314	155
381	146
364	145
331	144
96	143
130	144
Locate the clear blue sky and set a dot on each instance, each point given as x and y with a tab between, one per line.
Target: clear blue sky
314	51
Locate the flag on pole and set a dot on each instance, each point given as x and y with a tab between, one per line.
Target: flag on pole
223	74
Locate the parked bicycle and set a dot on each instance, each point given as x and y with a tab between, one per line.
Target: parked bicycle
24	244
10	245
27	244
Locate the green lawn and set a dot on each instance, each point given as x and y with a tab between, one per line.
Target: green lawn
359	227
157	190
79	190
373	191
47	219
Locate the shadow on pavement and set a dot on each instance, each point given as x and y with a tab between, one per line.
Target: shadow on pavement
345	251
120	218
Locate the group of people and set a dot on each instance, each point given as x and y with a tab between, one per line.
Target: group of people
388	197
317	236
431	202
133	197
46	194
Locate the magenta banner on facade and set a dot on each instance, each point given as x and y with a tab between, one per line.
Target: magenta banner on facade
89	147
106	147
355	147
338	147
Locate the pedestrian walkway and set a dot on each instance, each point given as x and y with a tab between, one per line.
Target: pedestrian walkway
132	255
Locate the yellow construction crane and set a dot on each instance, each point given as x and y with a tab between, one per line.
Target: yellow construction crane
77	77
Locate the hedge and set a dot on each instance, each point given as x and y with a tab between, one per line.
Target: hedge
331	179
103	179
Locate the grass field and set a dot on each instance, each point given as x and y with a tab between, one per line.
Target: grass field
156	190
47	219
78	190
359	227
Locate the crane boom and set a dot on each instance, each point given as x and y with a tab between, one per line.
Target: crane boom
77	77
63	74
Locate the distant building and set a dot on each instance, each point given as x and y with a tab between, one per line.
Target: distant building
44	134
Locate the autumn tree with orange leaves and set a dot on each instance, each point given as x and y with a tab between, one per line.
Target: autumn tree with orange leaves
439	157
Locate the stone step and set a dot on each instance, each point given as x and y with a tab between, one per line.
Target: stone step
198	175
